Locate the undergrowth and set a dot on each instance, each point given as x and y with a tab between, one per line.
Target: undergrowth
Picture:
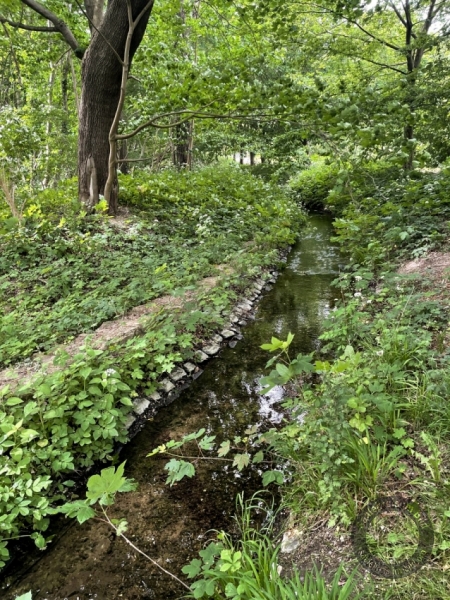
63	272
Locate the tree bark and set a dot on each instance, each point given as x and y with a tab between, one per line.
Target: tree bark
94	11
101	81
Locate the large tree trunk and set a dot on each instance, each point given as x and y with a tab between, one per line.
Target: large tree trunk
101	79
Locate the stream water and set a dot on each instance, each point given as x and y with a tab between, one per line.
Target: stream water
171	523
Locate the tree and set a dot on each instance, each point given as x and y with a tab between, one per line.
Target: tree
102	69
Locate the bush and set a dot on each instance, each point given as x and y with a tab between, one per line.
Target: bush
312	186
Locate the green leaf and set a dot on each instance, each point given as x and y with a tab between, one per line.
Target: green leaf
272	477
224	448
193	568
103	487
178	469
241	461
259	457
14	402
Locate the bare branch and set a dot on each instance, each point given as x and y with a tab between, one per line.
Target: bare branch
59	24
197	114
27	27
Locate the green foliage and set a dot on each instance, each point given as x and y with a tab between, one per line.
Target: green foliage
83	271
248	569
101	490
312	186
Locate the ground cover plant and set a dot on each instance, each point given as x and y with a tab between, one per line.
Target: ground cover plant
83	271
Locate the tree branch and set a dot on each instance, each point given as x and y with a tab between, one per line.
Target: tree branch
60	26
27	27
384	42
191	115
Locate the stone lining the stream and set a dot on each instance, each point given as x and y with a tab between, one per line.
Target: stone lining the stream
171	386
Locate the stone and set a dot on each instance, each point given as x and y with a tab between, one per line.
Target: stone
244	306
272	280
291	540
201	356
227	333
177	374
211	349
155	396
166	385
217	338
197	373
232	344
234	318
141	405
190	367
243	322
129	422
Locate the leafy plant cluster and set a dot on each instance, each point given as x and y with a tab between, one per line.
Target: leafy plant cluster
63	422
312	186
382	217
62	273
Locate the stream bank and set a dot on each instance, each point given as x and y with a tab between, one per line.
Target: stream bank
172	524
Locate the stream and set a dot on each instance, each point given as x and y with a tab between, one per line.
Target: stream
171	524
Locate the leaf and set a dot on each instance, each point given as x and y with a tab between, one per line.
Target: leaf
259	457
79	509
283	371
178	469
302	364
224	448
210	553
14	402
103	487
207	442
399	433
241	461
193	568
40	542
273	477
231	590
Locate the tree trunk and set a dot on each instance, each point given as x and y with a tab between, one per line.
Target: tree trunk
64	91
252	158
101	80
183	144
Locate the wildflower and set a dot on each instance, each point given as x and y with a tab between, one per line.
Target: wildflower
358	277
379	352
357	295
110	372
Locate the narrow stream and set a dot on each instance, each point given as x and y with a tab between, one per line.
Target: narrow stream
172	524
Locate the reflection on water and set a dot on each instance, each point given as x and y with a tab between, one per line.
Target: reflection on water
171	524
